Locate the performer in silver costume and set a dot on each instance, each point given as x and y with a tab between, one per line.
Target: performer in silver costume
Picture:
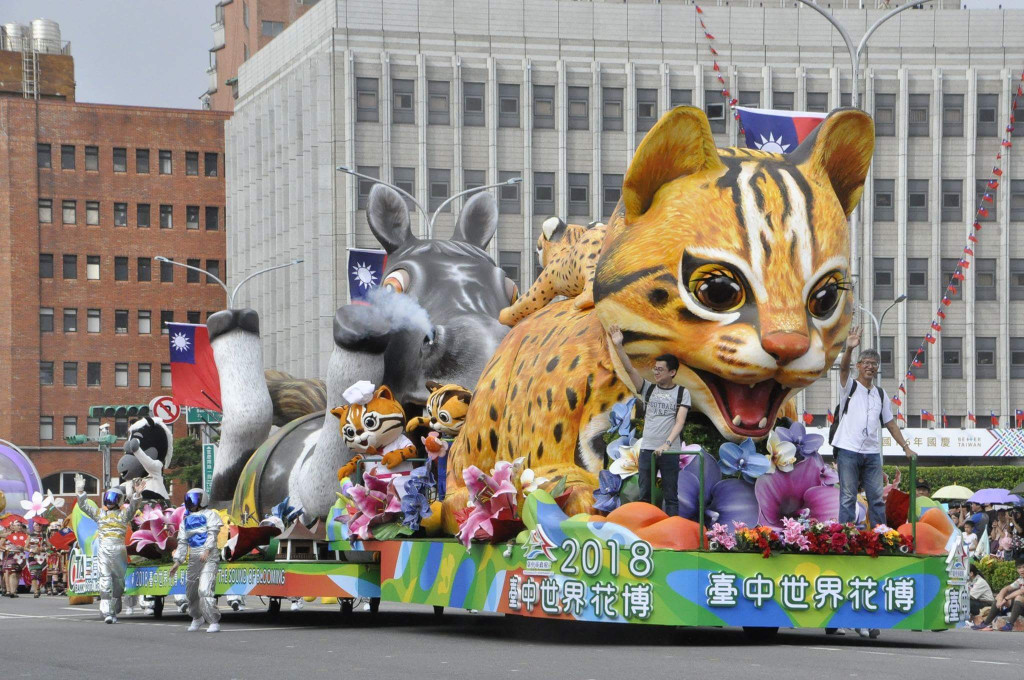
197	540
109	548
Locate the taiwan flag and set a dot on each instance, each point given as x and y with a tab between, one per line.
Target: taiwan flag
971	418
1019	415
777	131
365	272
193	372
927	416
994	418
808	418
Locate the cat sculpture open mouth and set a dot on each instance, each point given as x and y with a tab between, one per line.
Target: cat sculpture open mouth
749	410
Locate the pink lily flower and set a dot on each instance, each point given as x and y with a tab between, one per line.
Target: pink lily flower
493	497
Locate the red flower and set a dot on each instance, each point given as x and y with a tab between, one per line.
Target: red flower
838	539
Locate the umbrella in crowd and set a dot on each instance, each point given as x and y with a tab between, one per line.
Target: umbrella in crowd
1018	490
954	492
987	496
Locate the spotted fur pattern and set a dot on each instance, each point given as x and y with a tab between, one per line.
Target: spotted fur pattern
569	258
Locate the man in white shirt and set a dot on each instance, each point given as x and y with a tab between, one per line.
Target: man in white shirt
857	444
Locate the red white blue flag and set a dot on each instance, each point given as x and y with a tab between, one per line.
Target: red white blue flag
365	272
194	377
777	131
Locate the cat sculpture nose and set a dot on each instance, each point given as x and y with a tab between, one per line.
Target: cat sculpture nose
785	346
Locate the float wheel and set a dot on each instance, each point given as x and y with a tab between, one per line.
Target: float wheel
158	607
274	607
374	604
346	605
761	633
438	611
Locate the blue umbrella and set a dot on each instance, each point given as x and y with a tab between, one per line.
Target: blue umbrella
993	496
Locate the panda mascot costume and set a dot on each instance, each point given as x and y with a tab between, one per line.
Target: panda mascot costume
147	453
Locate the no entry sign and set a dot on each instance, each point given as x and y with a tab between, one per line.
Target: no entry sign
164	409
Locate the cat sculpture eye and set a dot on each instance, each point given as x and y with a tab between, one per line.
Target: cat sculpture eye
717	287
370	421
397	281
825	295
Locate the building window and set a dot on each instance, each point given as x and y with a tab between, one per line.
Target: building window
611	191
1017	357
271	28
438	109
680	97
508	194
192	316
985	278
917	200
70	373
120	320
93	428
885	115
145	322
145	375
144	270
120	159
120	214
544	106
70	426
92	213
69	212
210	163
245	13
980	190
166	216
988	117
1016	278
817	101
46	427
917	278
191	216
212	218
46	265
952	366
543	193
917	117
92	158
509	261
70	265
92	267
472	179
45	372
44	158
120	375
952	115
985	359
579	194
949	265
166	272
952	190
120	268
750	98
884	288
508	105
165	162
611	108
364	184
192	163
213	267
45	210
1017	199
913	344
67	157
142	161
781	101
165	375
579	108
92	374
166	317
402	94
70	320
46	319
884	200
440	187
142	215
473	104
646	108
405	179
886	368
714	107
366	100
93	321
191	275
121	426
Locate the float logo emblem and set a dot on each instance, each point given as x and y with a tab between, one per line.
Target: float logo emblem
538	544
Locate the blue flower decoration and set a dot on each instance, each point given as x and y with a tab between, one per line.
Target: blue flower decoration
743	459
286	511
606	498
806	444
619	420
415	508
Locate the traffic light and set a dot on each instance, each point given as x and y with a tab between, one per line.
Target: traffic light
108	439
77	439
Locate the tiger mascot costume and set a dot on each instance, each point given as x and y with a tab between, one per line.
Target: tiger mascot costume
373	424
447	407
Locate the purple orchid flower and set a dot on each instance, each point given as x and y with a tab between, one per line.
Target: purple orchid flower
619	420
788	494
806	444
744	459
606	498
725	500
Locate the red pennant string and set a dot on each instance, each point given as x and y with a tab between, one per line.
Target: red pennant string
973	239
993	184
936	326
968	251
997	171
941	314
930	338
946	301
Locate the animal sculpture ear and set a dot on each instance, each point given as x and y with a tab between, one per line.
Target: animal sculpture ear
388	217
433	385
839	152
678	145
384	392
150	421
553	228
340	412
478	220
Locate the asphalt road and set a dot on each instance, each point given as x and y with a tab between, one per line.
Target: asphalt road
46	638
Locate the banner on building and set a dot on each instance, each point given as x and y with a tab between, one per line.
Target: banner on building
947	442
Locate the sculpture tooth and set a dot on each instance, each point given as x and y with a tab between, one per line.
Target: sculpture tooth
737	421
763	423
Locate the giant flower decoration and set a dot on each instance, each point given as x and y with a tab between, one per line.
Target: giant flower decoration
742	458
781	454
156	526
797	435
725	500
373	505
788	494
627	463
606	498
619	420
37	505
493	499
413	490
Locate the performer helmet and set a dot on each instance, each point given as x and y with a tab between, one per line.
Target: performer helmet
113	498
196	499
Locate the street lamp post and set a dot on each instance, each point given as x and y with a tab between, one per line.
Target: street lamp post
879	320
509	182
349	171
231	293
104	441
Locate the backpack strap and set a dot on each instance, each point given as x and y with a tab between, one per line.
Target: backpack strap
881	399
647	395
846	404
679	397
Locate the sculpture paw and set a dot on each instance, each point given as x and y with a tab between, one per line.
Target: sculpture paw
348	468
392	459
507	317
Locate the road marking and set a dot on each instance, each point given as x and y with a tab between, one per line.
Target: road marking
994	663
828	649
867	651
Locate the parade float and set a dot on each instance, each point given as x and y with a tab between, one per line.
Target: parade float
519	496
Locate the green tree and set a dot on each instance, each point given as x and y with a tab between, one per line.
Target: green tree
188	462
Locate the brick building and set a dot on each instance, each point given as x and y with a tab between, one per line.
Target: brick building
240	29
89	195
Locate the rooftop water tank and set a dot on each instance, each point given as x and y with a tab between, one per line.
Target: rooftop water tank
14	36
46	36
